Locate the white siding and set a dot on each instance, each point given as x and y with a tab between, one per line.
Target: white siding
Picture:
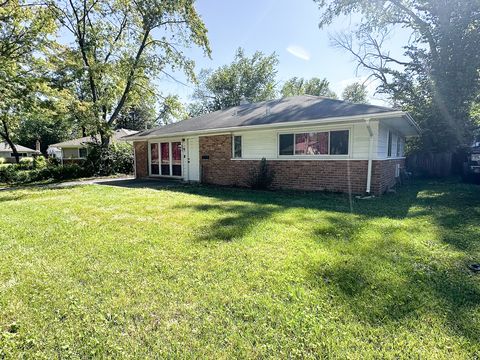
382	148
259	144
263	143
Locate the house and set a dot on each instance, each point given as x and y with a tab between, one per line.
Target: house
77	149
310	142
7	153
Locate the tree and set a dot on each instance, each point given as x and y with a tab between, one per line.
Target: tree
438	76
355	93
24	34
171	110
124	44
314	86
247	78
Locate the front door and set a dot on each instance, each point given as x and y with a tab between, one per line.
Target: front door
192	159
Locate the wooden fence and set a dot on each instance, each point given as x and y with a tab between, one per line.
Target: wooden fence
430	164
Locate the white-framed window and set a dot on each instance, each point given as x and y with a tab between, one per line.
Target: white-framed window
166	158
237	146
314	143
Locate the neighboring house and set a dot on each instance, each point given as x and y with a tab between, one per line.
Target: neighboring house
77	149
311	143
7	153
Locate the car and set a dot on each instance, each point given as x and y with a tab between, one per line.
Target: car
471	168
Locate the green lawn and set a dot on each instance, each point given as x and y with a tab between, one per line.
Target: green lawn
199	272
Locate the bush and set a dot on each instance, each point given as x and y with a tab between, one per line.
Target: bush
262	177
114	159
26	163
39	162
16	175
2	160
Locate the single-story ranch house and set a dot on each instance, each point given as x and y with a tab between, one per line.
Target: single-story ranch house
7	153
310	142
77	149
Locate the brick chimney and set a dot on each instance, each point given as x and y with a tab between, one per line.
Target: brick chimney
37	146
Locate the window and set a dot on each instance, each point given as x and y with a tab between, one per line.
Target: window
154	164
165	158
176	158
399	146
314	143
311	143
389	144
339	142
286	144
237	146
82	153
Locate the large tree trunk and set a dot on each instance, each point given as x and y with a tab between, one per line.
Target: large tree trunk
14	150
5	134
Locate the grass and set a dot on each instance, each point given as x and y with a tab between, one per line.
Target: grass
199	272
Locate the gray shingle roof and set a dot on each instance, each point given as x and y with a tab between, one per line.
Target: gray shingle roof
291	109
118	134
4	147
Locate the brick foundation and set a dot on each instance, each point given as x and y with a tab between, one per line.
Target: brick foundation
141	159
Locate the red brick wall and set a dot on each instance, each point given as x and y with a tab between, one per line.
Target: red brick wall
330	175
141	158
385	174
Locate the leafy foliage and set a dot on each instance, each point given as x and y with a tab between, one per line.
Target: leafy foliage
121	45
355	93
23	174
249	79
116	158
314	86
439	76
25	31
262	177
171	110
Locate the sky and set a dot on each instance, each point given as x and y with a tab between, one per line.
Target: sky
287	27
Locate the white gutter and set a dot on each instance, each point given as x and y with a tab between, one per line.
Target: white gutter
370	155
266	126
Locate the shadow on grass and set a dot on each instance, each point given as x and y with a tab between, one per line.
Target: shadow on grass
383	269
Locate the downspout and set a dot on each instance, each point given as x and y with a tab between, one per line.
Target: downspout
370	155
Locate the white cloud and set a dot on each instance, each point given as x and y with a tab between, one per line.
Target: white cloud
299	52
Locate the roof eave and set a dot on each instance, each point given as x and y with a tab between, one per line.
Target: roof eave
135	137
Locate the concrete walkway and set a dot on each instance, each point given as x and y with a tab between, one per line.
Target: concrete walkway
103	181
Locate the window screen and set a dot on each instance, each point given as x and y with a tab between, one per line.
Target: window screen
339	142
286	144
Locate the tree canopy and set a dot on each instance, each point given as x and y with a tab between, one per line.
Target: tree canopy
355	93
251	79
314	86
121	45
437	79
24	35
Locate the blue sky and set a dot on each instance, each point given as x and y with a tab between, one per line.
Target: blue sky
289	28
